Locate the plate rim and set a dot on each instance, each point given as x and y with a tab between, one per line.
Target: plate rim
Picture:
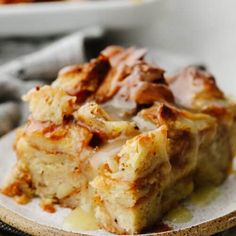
28	226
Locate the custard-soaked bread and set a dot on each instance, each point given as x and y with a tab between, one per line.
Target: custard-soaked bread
49	104
196	90
116	136
130	186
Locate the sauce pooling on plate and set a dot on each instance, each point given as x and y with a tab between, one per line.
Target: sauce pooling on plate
179	215
79	219
203	196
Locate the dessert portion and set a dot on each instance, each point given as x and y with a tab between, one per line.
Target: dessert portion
116	137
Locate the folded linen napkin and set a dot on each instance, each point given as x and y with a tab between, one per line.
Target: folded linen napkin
42	66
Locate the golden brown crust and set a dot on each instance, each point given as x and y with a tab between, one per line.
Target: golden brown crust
143	86
83	80
191	84
49	104
65	138
111	83
130	79
48	206
122	61
119	55
20	186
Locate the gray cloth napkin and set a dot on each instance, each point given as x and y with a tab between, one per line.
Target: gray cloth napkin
42	66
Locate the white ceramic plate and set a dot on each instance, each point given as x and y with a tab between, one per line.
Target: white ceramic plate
61	17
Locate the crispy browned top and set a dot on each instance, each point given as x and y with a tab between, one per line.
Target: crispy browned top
118	75
197	90
120	79
83	80
192	84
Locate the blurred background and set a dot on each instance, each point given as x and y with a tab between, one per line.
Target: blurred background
202	29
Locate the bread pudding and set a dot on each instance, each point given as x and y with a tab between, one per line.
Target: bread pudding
116	136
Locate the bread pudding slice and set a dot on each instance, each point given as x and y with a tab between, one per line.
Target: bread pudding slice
114	135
